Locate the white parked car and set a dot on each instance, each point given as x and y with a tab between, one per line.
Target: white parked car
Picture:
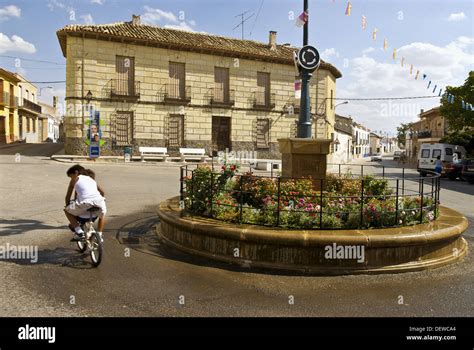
376	157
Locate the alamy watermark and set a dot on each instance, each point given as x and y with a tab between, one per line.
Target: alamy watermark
399	109
37	333
236	156
13	252
349	252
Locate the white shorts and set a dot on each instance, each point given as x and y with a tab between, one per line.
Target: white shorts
80	208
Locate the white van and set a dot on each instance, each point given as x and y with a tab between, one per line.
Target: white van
430	152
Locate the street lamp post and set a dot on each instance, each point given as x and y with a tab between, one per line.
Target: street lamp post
304	122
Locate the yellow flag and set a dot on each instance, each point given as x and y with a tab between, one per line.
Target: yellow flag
417	74
411	69
394	54
403	61
348	9
385	44
374	34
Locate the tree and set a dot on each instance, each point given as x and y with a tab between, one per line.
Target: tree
401	133
457	117
462	138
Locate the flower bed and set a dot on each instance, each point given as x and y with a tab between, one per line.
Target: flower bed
345	201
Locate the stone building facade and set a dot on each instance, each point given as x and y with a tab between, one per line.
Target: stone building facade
162	87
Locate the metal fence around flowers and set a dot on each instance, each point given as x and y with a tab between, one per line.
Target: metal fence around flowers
341	201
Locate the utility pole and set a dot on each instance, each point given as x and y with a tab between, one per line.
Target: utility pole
304	122
242	21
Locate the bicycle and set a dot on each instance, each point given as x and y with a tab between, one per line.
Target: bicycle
92	240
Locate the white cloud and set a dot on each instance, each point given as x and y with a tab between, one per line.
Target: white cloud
87	19
367	78
192	22
155	15
456	17
15	44
98	2
368	50
52	4
47	97
9	11
182	26
328	53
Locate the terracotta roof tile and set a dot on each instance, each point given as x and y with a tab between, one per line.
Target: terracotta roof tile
184	40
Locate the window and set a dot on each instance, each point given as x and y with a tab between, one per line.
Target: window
221	84
263	133
425	153
177	75
449	151
124	85
263	89
436	153
33	121
176	131
122	128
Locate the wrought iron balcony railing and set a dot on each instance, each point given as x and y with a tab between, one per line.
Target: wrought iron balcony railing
222	97
176	93
124	88
30	106
263	100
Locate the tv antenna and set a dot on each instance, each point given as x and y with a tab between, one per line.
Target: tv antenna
242	21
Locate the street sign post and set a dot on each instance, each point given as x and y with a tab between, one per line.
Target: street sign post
308	58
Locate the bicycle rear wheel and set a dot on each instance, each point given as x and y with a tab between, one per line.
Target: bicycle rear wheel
96	249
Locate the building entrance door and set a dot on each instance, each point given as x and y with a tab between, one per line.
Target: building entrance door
3	138
221	133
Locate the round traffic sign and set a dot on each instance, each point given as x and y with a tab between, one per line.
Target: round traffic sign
308	57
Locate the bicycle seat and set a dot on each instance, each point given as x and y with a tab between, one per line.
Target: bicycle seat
93	209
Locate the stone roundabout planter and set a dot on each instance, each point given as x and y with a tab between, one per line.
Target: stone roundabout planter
326	252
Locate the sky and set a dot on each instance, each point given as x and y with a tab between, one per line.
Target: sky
435	36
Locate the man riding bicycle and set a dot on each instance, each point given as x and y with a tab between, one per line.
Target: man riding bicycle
88	195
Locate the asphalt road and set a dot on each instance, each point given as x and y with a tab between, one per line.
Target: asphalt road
140	277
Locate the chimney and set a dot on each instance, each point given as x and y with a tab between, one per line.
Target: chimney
136	20
55	101
272	40
421	111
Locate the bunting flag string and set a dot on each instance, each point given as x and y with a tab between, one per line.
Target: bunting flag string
450	98
348	9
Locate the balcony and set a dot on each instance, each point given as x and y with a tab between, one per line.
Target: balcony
222	98
428	134
7	100
263	100
176	94
122	88
30	107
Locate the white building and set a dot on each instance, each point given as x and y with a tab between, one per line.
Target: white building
342	145
360	141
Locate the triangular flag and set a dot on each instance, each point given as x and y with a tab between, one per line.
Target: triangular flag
440	92
385	44
411	69
374	34
424	76
417	74
364	22
348	9
394	55
302	19
403	61
429	85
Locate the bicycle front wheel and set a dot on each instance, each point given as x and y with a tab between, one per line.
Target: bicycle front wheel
82	246
96	249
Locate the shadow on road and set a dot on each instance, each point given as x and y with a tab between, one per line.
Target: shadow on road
15	227
32	149
66	257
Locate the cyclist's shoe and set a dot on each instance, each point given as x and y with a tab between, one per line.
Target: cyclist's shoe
78	237
101	237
